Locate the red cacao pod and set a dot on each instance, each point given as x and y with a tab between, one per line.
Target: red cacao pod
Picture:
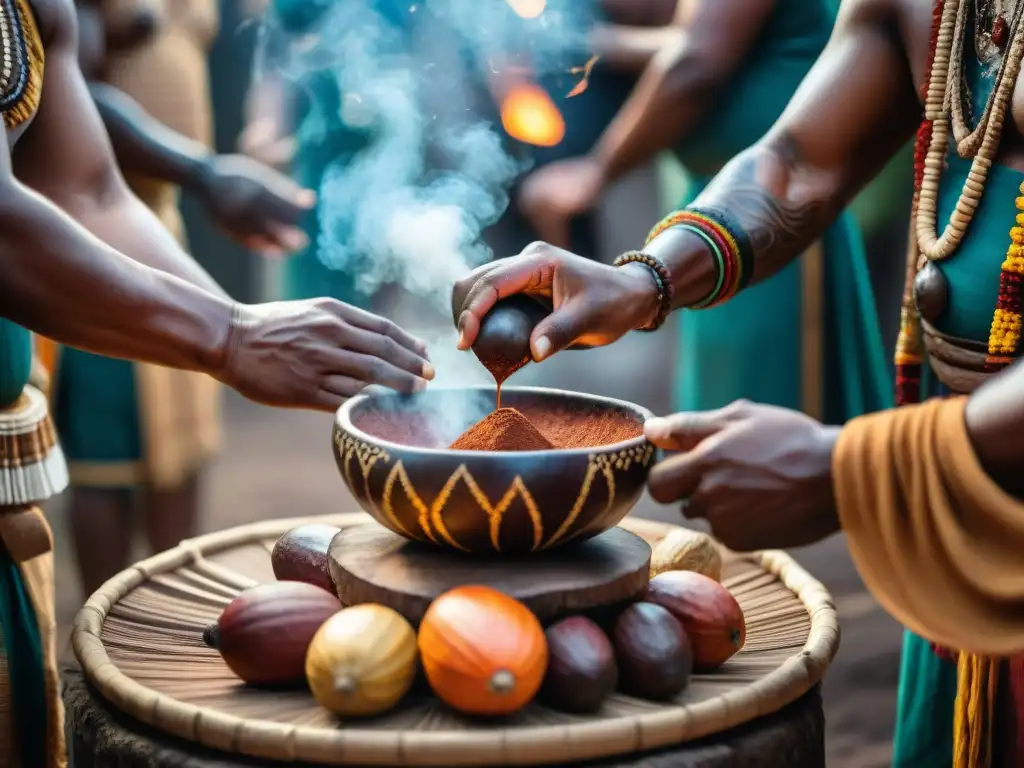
301	555
708	612
264	633
581	670
652	652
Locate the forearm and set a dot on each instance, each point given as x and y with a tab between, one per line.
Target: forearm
629	49
781	200
995	421
62	282
674	93
145	144
779	216
122	221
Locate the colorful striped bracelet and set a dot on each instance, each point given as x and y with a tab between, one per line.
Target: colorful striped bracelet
739	238
662	280
729	247
723	268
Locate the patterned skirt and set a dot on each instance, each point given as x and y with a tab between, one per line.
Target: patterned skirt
31	470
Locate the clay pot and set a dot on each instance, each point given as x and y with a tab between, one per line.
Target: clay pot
392	456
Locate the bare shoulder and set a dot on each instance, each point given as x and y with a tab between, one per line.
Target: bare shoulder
907	23
57	22
915	25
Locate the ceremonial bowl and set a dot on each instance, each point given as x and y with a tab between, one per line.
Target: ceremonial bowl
391	451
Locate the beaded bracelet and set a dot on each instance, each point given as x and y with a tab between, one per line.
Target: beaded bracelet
662	279
727	243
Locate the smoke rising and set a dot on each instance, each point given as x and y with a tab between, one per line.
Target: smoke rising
409	207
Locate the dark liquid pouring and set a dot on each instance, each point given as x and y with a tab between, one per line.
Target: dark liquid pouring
503	344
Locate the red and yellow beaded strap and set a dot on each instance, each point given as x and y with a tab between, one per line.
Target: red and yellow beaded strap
729	254
909	347
1004	337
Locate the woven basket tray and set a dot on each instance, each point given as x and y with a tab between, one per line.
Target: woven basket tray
139	642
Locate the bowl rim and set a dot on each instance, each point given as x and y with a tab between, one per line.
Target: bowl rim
343	420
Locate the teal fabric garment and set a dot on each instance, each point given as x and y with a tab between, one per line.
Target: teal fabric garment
972	273
96	410
924	707
305	276
15	361
21	645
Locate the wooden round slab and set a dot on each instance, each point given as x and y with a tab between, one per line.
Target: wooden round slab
370	564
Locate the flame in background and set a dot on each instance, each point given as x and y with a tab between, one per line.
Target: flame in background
528	9
529	115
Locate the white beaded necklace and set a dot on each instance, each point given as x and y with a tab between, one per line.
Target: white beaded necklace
939	110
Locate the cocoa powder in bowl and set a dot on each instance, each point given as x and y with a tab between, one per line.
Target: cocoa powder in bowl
560	426
506	429
537	428
581	427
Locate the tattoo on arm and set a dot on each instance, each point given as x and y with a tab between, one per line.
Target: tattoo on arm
780	212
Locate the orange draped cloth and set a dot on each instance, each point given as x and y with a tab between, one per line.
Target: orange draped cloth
941	546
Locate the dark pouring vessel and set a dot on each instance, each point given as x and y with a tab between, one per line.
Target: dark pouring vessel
503	344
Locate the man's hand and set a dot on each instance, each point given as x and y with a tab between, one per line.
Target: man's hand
552	196
318	353
760	475
593	304
255	204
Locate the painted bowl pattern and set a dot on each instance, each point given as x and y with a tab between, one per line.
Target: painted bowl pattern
391	451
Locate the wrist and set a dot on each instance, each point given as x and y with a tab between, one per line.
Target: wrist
643	294
828	437
201	171
603	159
689	261
231	324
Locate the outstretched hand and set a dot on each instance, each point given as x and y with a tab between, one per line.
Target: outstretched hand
553	195
257	205
760	475
318	353
593	304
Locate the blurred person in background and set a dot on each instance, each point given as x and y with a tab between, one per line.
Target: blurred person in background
298	121
714	82
295	122
599	88
138	435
